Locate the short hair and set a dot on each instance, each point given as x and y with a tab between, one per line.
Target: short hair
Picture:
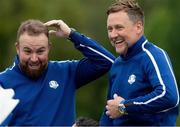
131	7
85	121
32	27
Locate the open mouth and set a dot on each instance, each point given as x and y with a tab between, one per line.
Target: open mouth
34	66
118	41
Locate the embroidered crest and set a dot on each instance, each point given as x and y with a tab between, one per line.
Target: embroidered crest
132	79
53	84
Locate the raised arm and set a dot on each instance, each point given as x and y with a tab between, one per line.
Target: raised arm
97	59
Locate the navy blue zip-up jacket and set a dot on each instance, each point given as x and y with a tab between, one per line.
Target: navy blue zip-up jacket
50	100
145	79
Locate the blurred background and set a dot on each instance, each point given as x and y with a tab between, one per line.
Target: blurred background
162	27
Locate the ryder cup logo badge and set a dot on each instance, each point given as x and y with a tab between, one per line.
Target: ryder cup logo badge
53	84
132	79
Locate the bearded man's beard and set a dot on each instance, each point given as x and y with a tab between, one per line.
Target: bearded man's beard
33	73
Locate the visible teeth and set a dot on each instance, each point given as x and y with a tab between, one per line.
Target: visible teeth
120	41
34	66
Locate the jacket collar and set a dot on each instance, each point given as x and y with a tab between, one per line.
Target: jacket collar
134	49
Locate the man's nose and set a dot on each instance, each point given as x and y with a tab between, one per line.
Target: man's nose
34	57
114	34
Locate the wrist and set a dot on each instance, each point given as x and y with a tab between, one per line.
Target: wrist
122	108
72	30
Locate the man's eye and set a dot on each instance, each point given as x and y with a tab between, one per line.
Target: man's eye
27	51
109	29
40	51
119	27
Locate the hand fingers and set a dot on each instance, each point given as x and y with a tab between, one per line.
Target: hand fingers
111	117
107	113
53	23
115	95
109	102
107	107
49	23
52	32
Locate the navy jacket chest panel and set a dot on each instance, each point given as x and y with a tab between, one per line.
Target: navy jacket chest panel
33	94
129	79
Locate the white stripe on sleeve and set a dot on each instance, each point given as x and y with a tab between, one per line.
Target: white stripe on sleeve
94	50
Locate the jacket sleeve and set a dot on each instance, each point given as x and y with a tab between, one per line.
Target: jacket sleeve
97	59
159	73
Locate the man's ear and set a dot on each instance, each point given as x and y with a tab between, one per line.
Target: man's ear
17	47
140	27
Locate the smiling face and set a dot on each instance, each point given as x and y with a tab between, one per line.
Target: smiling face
122	32
33	54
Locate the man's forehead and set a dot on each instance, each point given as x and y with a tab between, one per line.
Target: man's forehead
26	35
33	40
32	46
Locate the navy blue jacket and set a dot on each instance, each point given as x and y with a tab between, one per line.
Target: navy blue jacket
50	100
145	79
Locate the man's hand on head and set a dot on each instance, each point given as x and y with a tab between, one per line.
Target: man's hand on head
61	28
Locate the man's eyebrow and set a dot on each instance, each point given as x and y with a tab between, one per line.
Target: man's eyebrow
41	48
26	47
